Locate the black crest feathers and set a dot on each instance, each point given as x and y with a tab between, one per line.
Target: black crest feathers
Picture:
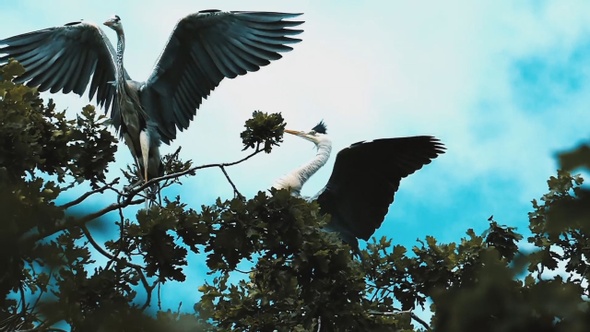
320	128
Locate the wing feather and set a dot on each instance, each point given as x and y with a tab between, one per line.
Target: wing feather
64	59
366	176
203	49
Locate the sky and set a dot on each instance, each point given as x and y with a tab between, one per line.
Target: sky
505	85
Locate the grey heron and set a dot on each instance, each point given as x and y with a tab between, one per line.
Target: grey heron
204	48
364	179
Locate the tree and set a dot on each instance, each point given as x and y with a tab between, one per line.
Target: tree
302	277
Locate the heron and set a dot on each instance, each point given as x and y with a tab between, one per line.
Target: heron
203	49
364	180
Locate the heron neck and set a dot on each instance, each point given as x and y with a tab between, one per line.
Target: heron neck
305	171
119	63
310	168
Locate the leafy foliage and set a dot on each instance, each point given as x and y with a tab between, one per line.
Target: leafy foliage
265	129
298	278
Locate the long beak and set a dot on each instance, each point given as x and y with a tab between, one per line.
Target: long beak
302	134
294	132
108	23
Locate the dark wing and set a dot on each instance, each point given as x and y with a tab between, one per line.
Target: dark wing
366	176
64	58
203	49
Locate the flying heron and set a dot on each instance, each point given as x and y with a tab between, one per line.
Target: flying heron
365	177
204	48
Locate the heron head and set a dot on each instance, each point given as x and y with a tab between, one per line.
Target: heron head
114	23
317	134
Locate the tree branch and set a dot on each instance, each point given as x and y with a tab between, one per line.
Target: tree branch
41	291
236	192
128	197
103	251
394	313
90	193
60	226
121	234
137	268
153	181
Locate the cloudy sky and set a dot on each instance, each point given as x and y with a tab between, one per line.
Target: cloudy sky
504	84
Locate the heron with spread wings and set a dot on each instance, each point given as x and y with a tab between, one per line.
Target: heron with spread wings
203	49
364	180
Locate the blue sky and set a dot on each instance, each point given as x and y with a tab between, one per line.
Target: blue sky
505	85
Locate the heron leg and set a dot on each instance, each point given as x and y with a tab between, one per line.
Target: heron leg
144	142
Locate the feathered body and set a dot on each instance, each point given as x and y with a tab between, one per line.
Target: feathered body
203	49
364	180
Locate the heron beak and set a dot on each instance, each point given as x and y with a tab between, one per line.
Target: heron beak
294	132
302	134
108	23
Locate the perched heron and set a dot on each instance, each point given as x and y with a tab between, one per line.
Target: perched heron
365	177
203	48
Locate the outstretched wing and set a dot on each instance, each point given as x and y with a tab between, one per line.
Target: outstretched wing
366	176
203	49
64	58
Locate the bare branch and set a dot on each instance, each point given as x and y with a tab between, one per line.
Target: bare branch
106	210
103	251
159	296
90	193
236	192
149	288
129	197
419	320
137	268
244	272
60	226
121	234
153	181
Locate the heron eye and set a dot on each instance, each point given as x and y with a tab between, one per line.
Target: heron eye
312	132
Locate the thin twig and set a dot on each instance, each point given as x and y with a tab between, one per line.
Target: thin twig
236	192
60	226
244	272
319	324
377	289
106	210
160	296
88	194
103	251
152	181
149	289
41	292
128	198
137	268
121	235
